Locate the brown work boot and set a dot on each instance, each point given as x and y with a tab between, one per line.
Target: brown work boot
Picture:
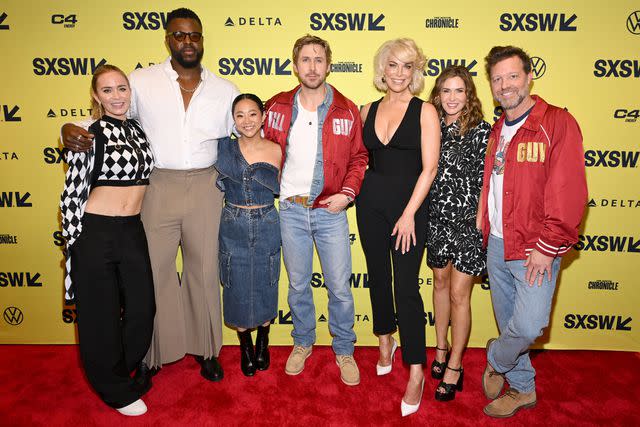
509	403
295	362
349	372
492	381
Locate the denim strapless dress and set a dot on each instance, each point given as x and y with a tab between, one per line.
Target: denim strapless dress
249	239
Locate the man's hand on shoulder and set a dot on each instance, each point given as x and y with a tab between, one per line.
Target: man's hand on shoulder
75	138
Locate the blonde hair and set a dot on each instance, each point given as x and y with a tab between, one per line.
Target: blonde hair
309	39
96	108
405	50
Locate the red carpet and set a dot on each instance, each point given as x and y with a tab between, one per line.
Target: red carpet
44	386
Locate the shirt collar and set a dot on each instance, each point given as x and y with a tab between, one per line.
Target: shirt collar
174	75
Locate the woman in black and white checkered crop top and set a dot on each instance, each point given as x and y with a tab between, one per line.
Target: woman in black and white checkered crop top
108	268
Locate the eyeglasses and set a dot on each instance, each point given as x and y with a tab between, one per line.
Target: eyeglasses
180	36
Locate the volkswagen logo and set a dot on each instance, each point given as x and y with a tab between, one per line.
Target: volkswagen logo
538	67
633	22
13	316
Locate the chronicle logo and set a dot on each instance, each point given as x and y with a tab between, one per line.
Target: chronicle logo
10	114
633	22
253	21
254	66
8	239
346	22
538	67
614	203
597	243
603	285
629	116
346	67
69	112
144	20
611	158
13	316
441	22
10	199
3	26
8	155
68	21
537	22
435	66
597	321
66	66
616	68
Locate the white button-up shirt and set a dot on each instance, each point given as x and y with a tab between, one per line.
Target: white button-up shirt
181	139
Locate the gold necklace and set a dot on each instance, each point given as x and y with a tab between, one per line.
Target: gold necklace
190	90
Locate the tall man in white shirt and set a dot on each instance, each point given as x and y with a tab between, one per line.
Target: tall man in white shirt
184	109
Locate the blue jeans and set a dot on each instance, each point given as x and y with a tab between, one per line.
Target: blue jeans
300	227
522	312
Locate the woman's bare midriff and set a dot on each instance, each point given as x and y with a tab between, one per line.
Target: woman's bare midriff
116	201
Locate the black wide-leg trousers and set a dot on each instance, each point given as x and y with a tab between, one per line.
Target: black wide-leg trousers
113	284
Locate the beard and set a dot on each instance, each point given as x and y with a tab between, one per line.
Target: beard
177	55
514	103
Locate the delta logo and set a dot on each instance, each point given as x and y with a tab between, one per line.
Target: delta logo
54	113
435	66
254	66
8	155
253	21
605	322
611	158
605	243
66	66
616	68
614	203
9	113
320	21
20	279
15	199
537	22
151	20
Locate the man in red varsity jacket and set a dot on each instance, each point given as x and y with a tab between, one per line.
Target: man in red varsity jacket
532	202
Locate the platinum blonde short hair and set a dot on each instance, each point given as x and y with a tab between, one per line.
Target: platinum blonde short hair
405	50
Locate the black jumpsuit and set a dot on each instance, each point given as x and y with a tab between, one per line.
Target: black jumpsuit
387	187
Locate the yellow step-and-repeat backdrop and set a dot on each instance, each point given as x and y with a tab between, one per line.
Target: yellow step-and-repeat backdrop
585	57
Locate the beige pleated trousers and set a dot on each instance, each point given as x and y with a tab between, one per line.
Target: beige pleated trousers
182	208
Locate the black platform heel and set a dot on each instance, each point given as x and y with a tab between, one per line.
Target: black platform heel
247	354
262	348
449	392
437	368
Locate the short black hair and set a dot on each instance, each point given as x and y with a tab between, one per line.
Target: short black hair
183	13
250	97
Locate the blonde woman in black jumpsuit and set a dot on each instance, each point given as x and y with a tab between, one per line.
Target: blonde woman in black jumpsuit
402	134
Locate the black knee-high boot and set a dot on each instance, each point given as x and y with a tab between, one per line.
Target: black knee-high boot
247	355
262	348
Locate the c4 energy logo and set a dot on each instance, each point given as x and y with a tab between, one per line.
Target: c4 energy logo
633	22
66	66
537	22
20	280
68	21
346	22
628	115
606	322
616	68
254	66
8	239
11	199
611	158
3	18
10	113
144	20
598	243
253	21
435	66
538	67
13	316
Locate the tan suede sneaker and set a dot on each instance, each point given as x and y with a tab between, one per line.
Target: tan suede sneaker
492	381
295	362
349	372
509	403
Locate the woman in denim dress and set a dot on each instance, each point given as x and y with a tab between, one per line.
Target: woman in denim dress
249	237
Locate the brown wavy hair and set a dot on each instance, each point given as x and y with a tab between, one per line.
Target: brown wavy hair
96	108
472	112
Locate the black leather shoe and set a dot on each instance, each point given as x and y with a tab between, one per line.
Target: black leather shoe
262	348
211	369
142	378
247	354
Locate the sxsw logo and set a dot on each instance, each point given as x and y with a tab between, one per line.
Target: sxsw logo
144	20
497	112
346	67
629	116
70	315
537	22
68	21
69	112
19	279
254	66
253	21
608	244
435	66
633	22
16	199
53	155
8	155
611	158
8	239
617	68
357	280
346	22
3	17
603	322
10	114
614	203
538	67
58	238
66	66
603	285
13	316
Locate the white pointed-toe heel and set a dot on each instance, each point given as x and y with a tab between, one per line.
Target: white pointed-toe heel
408	409
133	409
384	370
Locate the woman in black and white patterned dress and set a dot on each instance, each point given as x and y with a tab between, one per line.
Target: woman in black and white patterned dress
454	241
